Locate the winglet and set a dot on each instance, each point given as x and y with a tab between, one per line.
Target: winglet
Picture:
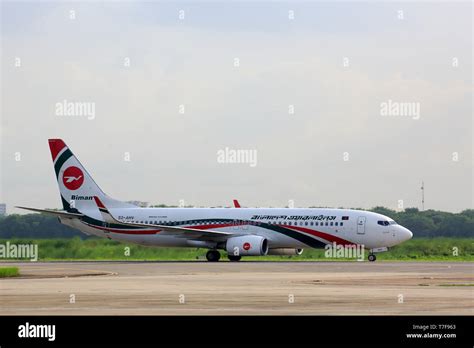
99	203
104	211
236	203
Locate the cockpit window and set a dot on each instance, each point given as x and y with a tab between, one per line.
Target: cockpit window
386	223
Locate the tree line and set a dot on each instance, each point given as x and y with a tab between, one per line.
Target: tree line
428	223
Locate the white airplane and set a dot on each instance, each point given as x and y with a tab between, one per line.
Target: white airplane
240	232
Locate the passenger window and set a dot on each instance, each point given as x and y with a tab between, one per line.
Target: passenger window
311	223
342	223
326	223
331	223
336	223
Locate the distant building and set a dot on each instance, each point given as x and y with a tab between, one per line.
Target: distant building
3	209
139	203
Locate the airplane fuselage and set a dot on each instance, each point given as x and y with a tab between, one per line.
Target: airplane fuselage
282	227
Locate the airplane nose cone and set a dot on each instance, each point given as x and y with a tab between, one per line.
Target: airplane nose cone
406	234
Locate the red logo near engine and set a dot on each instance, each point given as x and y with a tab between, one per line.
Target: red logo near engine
246	246
73	178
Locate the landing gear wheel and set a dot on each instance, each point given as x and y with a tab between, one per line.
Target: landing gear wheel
372	258
213	256
234	257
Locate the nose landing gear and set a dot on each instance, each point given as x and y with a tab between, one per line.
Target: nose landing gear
372	257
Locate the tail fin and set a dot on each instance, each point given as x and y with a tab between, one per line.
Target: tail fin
76	186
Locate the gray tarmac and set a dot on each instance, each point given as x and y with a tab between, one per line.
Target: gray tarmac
243	288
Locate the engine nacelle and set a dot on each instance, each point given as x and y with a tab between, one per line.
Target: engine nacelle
285	251
250	245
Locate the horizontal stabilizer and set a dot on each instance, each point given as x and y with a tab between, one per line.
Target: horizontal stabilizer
54	212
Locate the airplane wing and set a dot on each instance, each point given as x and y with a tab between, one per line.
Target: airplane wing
62	214
183	232
186	232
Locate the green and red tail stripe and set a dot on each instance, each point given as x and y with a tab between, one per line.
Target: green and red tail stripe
56	146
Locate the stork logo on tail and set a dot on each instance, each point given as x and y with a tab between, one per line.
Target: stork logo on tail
73	178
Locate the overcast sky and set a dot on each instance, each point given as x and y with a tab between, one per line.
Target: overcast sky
302	85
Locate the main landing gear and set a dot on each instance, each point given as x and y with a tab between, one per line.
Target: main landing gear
372	257
234	257
213	255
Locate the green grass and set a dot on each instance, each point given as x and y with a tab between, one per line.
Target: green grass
421	249
9	272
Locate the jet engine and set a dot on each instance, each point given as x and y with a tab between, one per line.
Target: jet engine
249	245
285	251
